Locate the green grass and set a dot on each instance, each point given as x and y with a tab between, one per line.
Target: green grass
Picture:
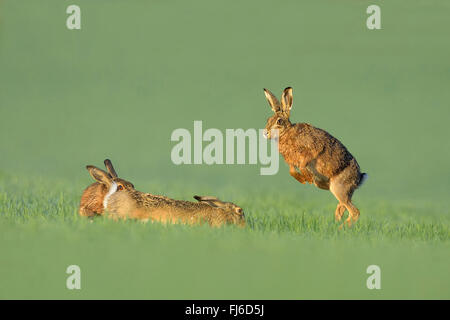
137	71
288	250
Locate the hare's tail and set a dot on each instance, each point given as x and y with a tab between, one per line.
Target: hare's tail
362	178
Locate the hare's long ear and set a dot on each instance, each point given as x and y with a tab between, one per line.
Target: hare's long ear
212	201
110	168
286	100
273	101
99	175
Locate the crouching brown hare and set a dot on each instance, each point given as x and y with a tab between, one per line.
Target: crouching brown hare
127	203
314	155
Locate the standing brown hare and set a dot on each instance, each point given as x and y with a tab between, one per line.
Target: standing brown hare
126	202
314	155
92	199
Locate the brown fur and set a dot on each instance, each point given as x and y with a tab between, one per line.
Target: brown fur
314	156
130	203
146	206
91	203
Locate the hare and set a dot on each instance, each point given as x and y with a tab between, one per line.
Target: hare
314	155
91	203
126	202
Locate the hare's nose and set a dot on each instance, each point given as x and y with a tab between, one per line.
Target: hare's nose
265	133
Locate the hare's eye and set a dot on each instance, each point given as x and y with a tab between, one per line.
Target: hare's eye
279	121
119	187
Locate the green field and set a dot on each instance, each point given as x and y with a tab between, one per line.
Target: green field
137	70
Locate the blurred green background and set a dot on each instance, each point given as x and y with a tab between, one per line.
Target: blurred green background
137	70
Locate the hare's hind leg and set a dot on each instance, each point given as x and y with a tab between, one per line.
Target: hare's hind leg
340	209
353	213
343	193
